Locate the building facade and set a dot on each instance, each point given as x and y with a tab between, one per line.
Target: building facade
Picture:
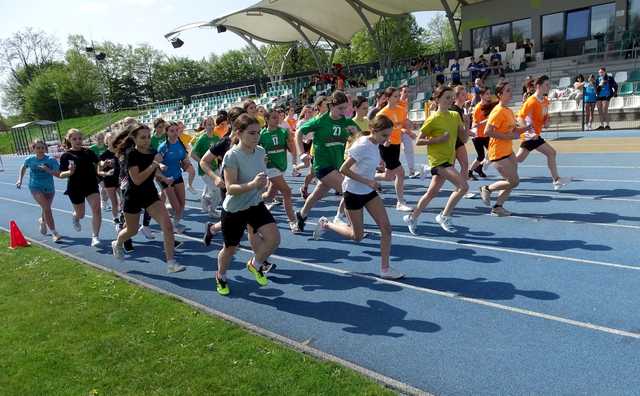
556	27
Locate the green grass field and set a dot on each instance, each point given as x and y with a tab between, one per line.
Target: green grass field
69	329
88	125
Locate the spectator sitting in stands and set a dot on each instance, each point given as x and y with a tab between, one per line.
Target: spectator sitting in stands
578	86
439	72
455	73
479	84
496	62
483	68
528	50
473	69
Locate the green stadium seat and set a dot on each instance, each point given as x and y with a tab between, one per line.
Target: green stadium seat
634	76
626	89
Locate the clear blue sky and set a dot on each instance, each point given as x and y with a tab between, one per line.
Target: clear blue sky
131	21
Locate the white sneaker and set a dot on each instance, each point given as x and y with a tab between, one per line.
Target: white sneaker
391	274
95	242
293	225
192	190
426	171
561	182
411	223
414	175
118	251
469	195
500	212
173	267
485	195
340	220
147	232
445	223
55	237
402	207
76	224
178	228
204	204
319	230
43	227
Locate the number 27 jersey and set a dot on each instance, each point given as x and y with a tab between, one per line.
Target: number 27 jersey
329	140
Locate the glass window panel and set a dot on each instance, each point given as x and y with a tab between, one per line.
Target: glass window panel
634	15
500	35
577	24
521	30
481	37
552	28
603	19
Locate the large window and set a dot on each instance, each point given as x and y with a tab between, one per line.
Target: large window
577	24
502	34
603	19
552	28
634	15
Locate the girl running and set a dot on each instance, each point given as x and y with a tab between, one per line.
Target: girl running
276	141
390	150
501	128
78	164
211	194
98	148
42	168
459	105
535	113
360	191
174	154
320	107
143	165
361	106
245	176
109	171
408	141
481	141
590	97
440	133
330	133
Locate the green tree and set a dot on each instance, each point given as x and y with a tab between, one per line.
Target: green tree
438	37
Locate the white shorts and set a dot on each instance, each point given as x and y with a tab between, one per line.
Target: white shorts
274	172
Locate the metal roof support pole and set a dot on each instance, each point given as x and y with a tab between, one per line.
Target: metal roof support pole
376	39
249	41
309	43
452	23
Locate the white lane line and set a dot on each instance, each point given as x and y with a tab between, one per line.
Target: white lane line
583	166
454	296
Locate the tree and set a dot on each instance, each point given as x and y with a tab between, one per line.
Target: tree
438	37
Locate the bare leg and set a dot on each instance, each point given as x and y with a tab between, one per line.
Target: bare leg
94	202
159	213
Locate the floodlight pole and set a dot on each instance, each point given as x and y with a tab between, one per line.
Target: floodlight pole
452	22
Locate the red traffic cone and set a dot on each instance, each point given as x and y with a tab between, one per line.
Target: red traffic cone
17	239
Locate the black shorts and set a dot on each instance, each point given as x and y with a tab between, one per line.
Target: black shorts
135	204
111	181
501	158
459	143
177	181
390	155
234	224
357	201
78	197
603	99
322	172
436	169
532	144
480	144
307	147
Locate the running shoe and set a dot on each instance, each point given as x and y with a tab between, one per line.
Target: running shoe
485	195
304	193
258	273
128	246
208	234
414	175
445	223
76	224
426	171
561	182
499	211
472	177
177	244
55	237
481	173
268	267
322	223
469	195
222	287
147	232
95	242
192	190
118	252
391	274
340	220
295	173
402	207
43	227
607	127
411	223
301	221
173	267
178	228
293	225
600	128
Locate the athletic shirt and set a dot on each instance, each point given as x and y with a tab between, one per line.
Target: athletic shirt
437	125
247	165
172	154
203	144
398	115
455	70
306	138
221	130
109	155
156	140
142	161
39	179
478	117
367	157
503	121
85	174
330	137
275	144
362	123
605	89
589	93
537	110
98	150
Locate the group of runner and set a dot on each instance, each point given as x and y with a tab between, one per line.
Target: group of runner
242	157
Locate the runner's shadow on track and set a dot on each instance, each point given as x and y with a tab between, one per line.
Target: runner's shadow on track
545	245
479	288
401	253
600	194
593	217
191	284
431	229
319	280
320	254
376	318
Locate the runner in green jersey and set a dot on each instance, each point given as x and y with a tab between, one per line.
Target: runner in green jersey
276	142
331	131
211	195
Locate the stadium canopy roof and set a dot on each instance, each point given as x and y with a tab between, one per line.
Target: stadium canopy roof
336	21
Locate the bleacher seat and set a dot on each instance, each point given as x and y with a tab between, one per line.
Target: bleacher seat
555	106
569	106
616	103
634	76
632	102
626	89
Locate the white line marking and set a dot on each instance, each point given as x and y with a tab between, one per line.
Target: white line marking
584	166
451	295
